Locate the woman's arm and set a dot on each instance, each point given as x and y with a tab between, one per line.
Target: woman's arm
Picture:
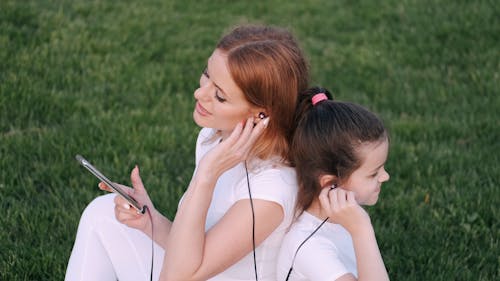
342	208
193	254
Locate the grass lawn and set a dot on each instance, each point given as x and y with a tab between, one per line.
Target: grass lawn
114	81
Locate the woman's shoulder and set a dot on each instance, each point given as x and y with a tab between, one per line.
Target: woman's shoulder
274	170
207	138
206	134
269	181
273	163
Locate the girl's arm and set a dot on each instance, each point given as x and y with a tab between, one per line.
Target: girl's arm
369	260
192	253
342	208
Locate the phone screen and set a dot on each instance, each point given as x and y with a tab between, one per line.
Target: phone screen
109	183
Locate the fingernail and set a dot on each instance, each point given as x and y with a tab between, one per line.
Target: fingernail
100	185
126	206
265	122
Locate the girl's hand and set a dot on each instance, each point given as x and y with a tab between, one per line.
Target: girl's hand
341	207
232	150
125	213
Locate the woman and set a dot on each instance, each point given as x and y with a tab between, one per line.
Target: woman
242	193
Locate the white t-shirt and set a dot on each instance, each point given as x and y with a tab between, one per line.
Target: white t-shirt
269	180
326	256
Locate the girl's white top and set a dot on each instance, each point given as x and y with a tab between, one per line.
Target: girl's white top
269	180
327	255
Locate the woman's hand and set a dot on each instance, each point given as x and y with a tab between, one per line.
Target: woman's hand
232	150
341	207
125	213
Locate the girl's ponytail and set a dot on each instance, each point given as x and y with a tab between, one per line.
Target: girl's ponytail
307	101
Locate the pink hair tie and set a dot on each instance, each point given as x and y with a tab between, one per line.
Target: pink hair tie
318	97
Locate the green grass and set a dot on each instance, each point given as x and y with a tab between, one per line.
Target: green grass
113	81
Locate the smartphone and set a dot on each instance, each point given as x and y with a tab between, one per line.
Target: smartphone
116	188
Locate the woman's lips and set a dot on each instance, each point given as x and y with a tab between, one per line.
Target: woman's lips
201	110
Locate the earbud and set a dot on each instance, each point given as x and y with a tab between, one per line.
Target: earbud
262	115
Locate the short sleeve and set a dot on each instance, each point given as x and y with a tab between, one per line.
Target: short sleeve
318	260
274	183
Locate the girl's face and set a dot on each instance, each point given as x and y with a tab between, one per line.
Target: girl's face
220	104
367	180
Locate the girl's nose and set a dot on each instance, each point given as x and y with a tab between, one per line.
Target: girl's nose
385	176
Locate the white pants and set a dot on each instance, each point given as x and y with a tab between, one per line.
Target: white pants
106	249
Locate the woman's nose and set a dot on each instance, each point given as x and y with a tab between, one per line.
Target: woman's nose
202	92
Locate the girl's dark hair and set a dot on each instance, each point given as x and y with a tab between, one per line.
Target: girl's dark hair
326	140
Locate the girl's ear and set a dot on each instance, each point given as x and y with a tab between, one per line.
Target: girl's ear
327	180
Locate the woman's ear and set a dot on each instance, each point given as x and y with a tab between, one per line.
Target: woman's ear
327	180
259	113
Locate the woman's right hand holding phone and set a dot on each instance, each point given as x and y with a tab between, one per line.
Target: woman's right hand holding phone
125	213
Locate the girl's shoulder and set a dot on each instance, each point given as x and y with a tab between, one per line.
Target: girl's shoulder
328	233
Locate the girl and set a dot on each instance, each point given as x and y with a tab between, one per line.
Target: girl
339	150
234	213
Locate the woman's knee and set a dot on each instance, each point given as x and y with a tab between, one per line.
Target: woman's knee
101	207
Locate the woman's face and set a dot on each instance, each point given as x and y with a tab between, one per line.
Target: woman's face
367	180
220	104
